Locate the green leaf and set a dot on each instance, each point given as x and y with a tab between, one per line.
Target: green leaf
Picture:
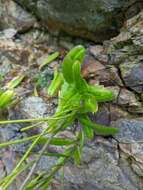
1	92
52	154
82	139
19	171
99	129
61	141
49	59
89	104
35	91
67	69
80	55
15	82
42	140
6	98
105	130
77	53
88	131
101	94
69	98
77	155
79	82
56	83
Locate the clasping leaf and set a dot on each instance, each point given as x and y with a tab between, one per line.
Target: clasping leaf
75	54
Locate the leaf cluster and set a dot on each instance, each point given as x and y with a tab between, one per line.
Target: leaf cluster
76	98
7	93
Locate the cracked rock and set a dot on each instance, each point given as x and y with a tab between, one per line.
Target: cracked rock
99	157
127	99
125	51
130	141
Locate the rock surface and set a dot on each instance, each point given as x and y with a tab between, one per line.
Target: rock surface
13	16
107	163
126	51
97	20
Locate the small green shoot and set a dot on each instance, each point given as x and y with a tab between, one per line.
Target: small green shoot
49	59
15	82
7	95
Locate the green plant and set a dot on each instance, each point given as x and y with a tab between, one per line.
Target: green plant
49	59
76	99
7	93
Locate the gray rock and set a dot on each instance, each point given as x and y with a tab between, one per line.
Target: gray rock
127	99
116	91
132	74
101	169
95	20
9	159
5	67
11	132
66	42
2	169
130	141
103	116
35	107
125	51
44	164
130	130
13	16
8	33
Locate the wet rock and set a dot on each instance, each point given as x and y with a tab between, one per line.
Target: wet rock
13	16
95	20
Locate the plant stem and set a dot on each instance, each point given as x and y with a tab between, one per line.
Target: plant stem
36	162
13	175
